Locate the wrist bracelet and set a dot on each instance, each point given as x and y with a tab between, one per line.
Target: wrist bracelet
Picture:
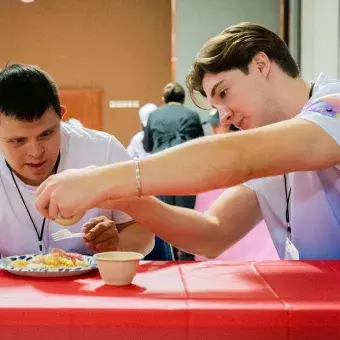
138	179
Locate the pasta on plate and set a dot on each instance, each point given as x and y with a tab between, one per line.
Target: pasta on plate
57	258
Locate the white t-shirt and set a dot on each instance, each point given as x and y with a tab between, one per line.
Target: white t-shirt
136	148
79	148
315	195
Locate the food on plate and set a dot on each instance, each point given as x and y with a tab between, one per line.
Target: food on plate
57	258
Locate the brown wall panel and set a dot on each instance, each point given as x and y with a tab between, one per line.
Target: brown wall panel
121	47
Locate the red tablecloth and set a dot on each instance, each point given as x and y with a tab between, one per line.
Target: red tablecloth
196	301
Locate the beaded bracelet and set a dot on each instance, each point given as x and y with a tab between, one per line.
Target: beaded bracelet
138	179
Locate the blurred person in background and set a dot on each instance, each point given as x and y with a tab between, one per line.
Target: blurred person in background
170	125
75	122
173	123
136	148
161	250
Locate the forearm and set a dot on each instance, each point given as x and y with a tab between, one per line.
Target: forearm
227	160
186	229
137	239
188	169
191	168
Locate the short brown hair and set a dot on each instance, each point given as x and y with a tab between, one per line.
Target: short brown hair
173	92
234	48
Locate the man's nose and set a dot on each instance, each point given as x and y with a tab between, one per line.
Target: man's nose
225	116
36	149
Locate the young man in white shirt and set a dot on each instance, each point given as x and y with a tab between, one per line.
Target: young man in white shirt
35	144
289	156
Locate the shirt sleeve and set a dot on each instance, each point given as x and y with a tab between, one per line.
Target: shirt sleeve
116	152
324	112
253	184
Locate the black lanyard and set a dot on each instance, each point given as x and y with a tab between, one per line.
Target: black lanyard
289	228
41	235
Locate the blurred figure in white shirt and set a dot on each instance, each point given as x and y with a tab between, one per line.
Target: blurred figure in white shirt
75	123
135	148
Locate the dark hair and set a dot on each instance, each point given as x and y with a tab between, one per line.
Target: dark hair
26	92
234	48
174	92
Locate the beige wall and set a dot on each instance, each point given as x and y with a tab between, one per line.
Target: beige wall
198	20
122	47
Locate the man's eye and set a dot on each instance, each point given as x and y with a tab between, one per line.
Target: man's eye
18	141
223	94
46	134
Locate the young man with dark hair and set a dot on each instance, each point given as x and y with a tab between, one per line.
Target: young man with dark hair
35	144
285	168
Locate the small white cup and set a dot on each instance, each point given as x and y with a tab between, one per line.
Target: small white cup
118	268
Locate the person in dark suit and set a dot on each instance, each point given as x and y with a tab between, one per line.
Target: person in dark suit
170	125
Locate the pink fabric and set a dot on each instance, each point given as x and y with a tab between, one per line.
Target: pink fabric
257	245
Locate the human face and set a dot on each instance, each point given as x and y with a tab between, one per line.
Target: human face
245	100
31	148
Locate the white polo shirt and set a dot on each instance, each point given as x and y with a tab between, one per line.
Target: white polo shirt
79	148
315	195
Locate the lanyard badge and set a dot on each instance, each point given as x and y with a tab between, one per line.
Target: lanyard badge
291	253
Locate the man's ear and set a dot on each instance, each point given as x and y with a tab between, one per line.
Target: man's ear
63	111
262	63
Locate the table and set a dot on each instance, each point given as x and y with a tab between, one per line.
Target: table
171	300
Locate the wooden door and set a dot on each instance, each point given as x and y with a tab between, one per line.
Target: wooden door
84	105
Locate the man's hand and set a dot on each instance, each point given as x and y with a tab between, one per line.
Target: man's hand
101	234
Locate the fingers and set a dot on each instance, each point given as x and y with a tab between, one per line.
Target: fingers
109	245
106	236
53	209
93	222
42	203
101	234
88	226
51	201
90	245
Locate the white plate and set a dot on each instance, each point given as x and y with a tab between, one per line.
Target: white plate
6	264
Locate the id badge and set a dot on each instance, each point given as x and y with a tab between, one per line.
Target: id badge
291	253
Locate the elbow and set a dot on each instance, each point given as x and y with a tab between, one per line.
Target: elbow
214	243
211	255
212	252
148	246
